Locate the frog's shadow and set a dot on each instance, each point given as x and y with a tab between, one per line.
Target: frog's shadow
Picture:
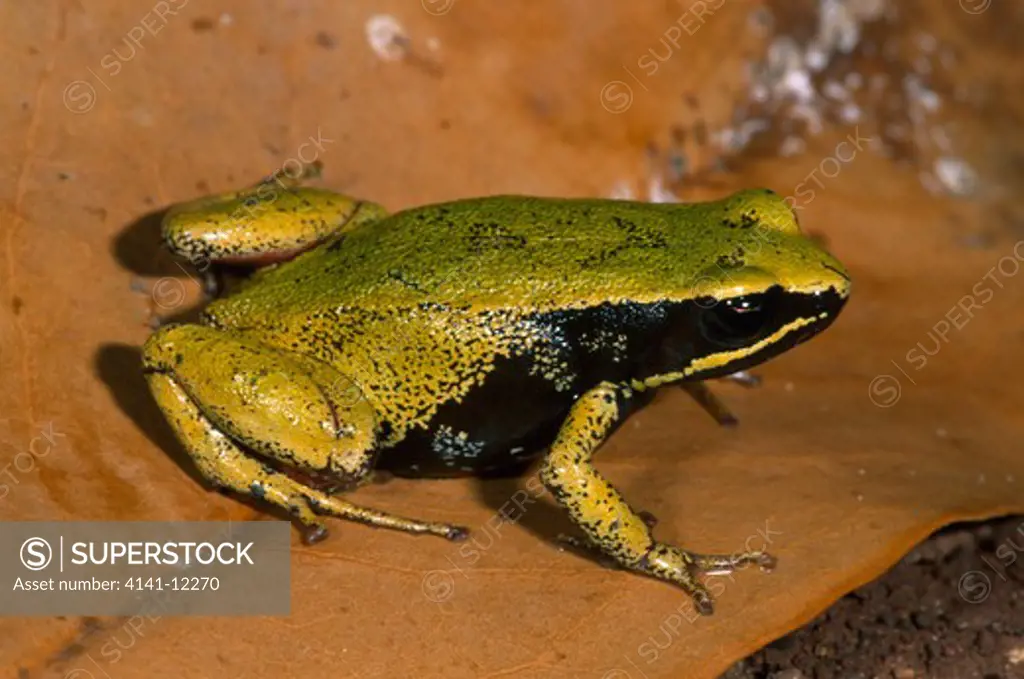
119	366
513	494
514	501
138	247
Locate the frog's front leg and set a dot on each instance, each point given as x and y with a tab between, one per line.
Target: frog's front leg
223	393
611	525
267	223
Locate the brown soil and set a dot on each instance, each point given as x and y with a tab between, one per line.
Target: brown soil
952	609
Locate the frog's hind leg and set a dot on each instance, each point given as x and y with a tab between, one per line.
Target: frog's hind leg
712	404
610	524
221	392
707	400
267	223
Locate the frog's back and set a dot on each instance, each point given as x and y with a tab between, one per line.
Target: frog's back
494	252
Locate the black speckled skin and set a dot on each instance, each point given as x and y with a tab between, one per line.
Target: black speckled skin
511	418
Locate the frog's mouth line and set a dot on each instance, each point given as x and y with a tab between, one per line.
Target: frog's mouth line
796	318
785	319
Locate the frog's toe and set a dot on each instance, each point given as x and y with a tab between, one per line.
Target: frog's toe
457	533
684	574
213	283
336	506
702	602
722	564
649	519
745	378
314	534
683	569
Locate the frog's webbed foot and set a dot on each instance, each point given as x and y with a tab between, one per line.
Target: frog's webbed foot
268	402
612	527
711	564
678	566
681	567
723	564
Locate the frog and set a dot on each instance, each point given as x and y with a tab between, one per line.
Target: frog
473	337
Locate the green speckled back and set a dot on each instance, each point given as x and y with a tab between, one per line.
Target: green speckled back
516	252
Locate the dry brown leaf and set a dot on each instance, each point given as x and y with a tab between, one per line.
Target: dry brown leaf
507	102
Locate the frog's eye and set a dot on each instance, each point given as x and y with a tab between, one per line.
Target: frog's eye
736	321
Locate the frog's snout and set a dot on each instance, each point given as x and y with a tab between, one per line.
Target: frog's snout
823	306
828	302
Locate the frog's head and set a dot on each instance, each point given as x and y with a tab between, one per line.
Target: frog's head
767	288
